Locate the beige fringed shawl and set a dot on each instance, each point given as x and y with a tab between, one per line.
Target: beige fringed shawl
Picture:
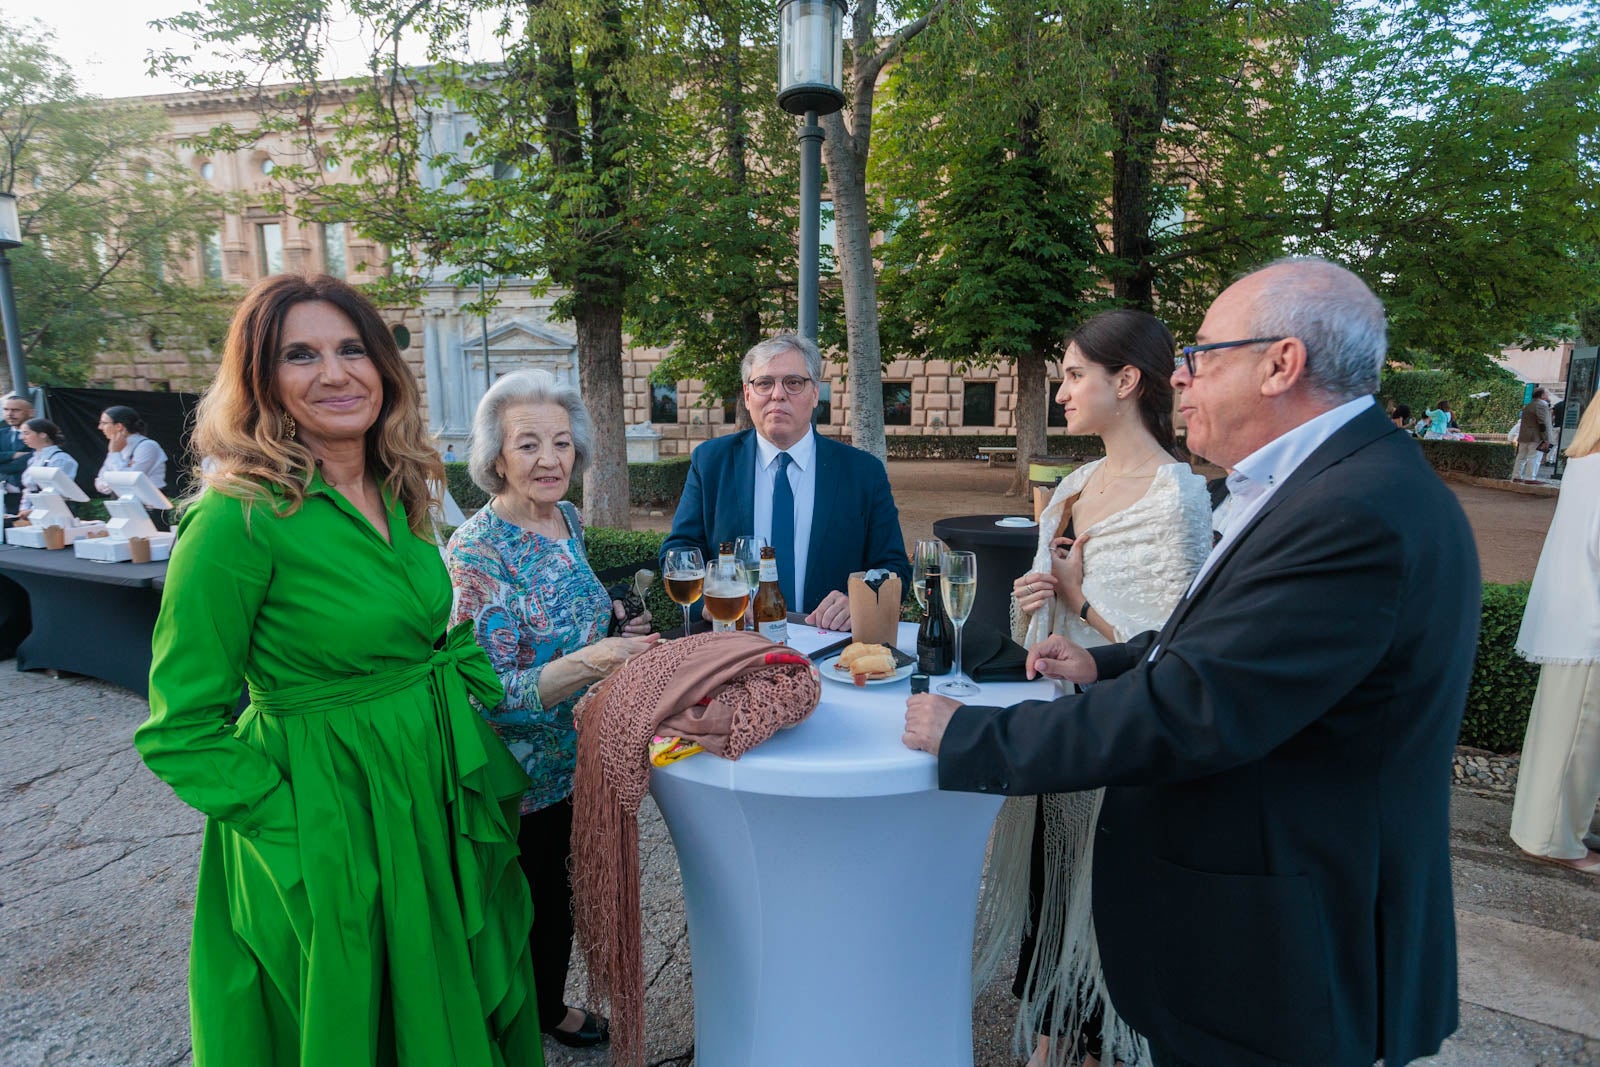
1136	565
727	691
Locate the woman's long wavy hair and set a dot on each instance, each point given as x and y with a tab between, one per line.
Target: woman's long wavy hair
239	432
1137	339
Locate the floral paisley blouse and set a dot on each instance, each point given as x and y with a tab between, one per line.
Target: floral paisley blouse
532	599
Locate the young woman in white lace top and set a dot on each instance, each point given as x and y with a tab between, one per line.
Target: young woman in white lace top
1119	543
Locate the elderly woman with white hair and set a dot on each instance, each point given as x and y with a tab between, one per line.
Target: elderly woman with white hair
521	576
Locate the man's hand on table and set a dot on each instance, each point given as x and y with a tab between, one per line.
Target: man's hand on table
832	614
927	715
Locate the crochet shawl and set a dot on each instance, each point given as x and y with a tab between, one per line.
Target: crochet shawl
727	691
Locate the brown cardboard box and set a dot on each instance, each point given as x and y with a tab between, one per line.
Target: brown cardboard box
138	550
55	537
874	616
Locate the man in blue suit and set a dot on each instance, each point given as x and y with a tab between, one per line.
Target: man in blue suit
825	507
14	452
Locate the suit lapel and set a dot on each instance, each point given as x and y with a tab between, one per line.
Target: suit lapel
742	486
826	483
1353	436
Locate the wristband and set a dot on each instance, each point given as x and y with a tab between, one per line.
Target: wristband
1083	613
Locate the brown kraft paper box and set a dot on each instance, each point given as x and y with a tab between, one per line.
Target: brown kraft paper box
55	537
874	616
138	550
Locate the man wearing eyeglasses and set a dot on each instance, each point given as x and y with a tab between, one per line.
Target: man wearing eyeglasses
1271	876
825	507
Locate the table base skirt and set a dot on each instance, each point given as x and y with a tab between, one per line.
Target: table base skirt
829	930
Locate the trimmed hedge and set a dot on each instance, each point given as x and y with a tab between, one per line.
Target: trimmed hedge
1480	459
1503	683
1423	389
609	548
658	484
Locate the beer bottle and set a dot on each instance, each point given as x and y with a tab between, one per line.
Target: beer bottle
935	637
772	613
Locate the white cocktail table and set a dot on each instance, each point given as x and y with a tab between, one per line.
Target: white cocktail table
831	888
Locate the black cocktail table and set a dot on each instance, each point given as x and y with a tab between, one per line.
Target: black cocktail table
1003	552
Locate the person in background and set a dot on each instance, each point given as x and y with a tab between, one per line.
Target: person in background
1401	416
44	437
1558	781
1119	542
13	449
450	453
825	507
1535	435
359	902
1439	419
524	585
128	449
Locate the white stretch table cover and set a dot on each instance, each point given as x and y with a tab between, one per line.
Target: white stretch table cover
831	889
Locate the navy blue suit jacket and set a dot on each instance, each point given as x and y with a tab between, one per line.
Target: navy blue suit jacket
1272	861
854	523
11	443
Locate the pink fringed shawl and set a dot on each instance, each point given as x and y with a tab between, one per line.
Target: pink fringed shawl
727	691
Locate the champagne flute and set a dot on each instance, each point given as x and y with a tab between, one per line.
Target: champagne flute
686	578
747	550
726	594
960	584
925	560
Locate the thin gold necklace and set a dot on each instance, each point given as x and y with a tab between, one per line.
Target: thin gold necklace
1105	482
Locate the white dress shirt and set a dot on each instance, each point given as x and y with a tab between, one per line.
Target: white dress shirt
803	481
1257	476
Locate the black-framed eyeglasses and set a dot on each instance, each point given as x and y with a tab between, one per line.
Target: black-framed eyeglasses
793	384
1186	354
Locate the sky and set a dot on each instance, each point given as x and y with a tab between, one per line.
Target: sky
106	42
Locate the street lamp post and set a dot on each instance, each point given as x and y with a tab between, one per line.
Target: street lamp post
810	81
11	237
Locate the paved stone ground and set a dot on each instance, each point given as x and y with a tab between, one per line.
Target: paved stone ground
97	868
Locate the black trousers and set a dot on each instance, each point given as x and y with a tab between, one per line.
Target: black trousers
545	838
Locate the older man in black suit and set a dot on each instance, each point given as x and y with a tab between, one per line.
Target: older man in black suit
1271	867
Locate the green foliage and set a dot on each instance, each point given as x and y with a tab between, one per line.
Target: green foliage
107	213
609	548
1490	415
1503	683
1445	150
658	484
1478	459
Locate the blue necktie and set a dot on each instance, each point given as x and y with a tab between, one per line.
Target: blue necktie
783	530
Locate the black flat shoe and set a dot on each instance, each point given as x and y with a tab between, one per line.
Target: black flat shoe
594	1031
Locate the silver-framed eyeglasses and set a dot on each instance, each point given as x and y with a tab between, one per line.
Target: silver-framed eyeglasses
1186	354
793	384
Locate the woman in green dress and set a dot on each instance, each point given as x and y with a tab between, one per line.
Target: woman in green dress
359	898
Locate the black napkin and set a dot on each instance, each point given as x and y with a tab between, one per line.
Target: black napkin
990	655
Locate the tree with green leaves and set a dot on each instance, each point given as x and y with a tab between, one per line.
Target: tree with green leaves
992	253
107	213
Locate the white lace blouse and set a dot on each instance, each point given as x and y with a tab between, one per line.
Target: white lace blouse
1138	561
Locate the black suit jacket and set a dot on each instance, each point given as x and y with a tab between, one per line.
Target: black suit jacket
11	443
854	523
1272	866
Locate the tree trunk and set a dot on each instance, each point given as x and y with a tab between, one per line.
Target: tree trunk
605	479
848	182
1030	414
1139	123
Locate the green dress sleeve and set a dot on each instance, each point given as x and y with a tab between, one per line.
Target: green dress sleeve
220	570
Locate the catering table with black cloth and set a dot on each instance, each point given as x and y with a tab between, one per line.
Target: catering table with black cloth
89	618
1004	553
14	621
830	886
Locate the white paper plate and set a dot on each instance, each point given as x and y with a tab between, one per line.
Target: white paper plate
1015	522
827	669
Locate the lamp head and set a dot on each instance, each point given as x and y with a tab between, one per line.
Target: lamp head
811	56
10	223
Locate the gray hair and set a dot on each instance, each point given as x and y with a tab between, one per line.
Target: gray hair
1333	312
28	400
763	352
523	387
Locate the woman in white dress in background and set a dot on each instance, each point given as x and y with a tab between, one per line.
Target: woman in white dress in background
1119	542
1558	781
